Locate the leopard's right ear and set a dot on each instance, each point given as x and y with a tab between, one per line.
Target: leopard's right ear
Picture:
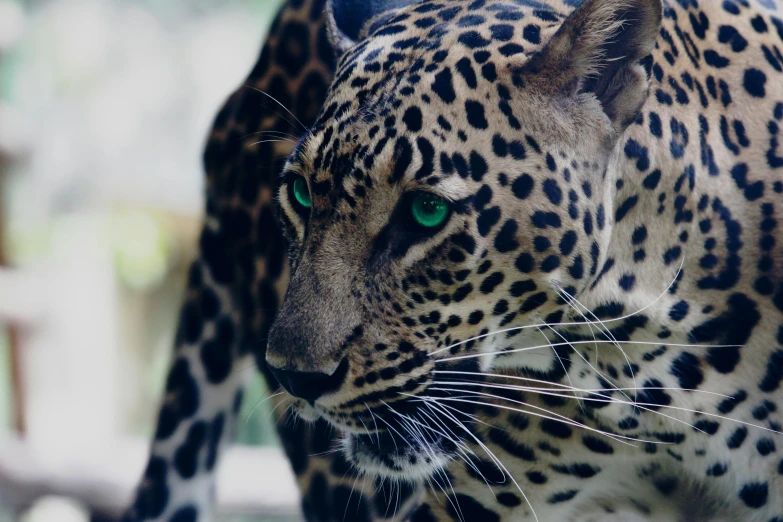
348	21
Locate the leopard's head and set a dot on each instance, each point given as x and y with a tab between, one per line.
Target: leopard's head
455	185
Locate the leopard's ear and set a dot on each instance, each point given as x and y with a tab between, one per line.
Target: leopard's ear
598	50
349	20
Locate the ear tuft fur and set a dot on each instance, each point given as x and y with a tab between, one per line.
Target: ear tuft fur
598	49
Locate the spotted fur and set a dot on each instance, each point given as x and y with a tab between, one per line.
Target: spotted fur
595	332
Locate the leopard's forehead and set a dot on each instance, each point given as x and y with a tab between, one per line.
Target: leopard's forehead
422	82
460	44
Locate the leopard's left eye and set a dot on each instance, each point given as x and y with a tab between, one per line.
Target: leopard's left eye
301	193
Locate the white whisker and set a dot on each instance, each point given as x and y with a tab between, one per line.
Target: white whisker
282	401
587	362
649	407
271	133
391	435
560	360
262	401
643	406
279	140
420	438
462	448
582	390
280	104
325	453
369	434
542	346
606	331
348	502
372	416
552	416
442	408
538	381
397	502
572	323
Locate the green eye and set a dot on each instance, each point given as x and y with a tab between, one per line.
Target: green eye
302	193
429	210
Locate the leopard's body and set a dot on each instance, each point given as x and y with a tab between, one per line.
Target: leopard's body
615	177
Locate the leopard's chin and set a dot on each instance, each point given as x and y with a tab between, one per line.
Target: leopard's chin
398	456
408	450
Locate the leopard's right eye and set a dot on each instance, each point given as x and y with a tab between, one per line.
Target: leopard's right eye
299	195
302	193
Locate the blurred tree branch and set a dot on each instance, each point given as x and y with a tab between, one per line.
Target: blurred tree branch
17	389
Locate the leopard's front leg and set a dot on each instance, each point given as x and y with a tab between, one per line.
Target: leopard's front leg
203	393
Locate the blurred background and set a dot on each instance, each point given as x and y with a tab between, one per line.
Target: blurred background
104	110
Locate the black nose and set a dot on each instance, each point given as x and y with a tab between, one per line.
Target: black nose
310	385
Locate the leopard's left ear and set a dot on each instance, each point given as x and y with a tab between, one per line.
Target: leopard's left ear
597	50
348	20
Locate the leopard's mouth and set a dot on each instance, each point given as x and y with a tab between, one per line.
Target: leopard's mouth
409	456
403	443
410	439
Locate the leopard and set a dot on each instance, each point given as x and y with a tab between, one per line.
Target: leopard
499	260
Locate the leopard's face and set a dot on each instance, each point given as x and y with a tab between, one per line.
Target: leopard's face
448	191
